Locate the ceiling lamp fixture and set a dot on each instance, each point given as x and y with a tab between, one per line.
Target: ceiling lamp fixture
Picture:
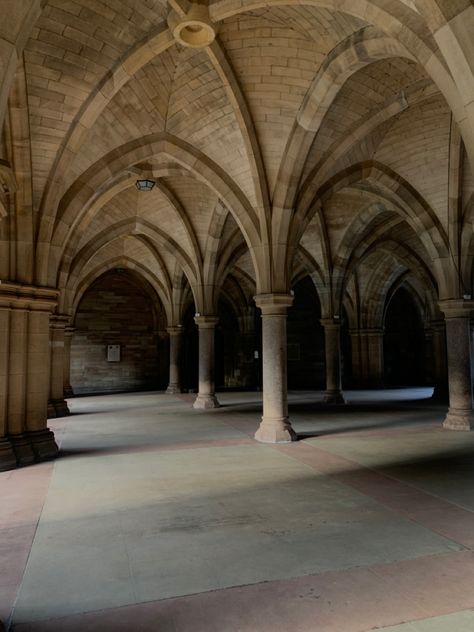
145	184
194	29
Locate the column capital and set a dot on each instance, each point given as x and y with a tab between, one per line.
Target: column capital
175	330
206	322
330	323
273	304
456	308
59	321
374	331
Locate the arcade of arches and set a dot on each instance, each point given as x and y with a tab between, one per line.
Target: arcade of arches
311	220
313	153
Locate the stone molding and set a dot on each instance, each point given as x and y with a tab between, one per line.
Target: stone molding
456	308
28	297
274	304
330	323
59	321
206	322
176	330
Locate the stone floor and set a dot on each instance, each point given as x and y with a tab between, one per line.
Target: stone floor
161	518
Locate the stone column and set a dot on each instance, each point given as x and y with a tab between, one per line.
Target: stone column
7	456
440	367
332	338
428	364
16	408
472	345
275	426
38	380
375	357
24	361
206	397
68	334
367	357
458	338
176	341
57	406
356	356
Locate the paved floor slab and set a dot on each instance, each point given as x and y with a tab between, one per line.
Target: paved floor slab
153	504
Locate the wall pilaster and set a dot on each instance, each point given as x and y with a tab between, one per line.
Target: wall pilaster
25	374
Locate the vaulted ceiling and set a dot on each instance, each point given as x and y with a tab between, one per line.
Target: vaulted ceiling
289	138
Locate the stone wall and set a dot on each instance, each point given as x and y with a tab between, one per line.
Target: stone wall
115	310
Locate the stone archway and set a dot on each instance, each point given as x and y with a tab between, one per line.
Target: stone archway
117	309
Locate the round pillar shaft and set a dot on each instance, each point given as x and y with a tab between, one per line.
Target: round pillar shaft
67	388
206	397
332	339
458	339
7	456
375	357
275	426
175	340
57	405
440	369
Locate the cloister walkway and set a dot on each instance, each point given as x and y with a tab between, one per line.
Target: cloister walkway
157	517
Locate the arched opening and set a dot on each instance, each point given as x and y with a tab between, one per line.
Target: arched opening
404	342
346	351
235	365
306	359
116	346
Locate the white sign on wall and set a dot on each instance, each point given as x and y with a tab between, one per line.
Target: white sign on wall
113	353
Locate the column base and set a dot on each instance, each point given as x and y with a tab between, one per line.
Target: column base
7	458
275	430
68	392
173	389
334	397
205	402
459	420
61	408
43	444
22	448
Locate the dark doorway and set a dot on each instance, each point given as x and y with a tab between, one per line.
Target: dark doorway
306	360
404	342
